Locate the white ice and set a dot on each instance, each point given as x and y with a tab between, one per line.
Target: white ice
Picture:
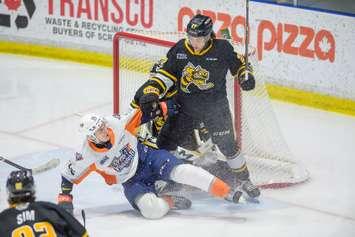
40	100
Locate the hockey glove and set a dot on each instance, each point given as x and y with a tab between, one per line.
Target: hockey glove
65	201
157	66
247	83
149	104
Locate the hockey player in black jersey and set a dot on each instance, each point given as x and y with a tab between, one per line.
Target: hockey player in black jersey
29	218
194	73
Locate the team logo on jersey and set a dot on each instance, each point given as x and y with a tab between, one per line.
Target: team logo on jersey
124	159
197	76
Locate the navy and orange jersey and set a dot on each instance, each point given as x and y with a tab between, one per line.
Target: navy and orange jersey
39	219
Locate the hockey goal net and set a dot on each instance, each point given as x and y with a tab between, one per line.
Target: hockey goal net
268	157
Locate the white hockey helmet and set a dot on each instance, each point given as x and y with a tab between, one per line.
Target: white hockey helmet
89	124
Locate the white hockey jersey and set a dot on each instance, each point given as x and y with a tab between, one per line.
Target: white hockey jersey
117	164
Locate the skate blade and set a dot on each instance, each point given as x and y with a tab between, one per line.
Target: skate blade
246	198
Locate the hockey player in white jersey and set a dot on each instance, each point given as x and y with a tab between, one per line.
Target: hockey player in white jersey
112	149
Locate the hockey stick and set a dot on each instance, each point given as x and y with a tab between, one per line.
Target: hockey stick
36	170
84	217
51	164
226	35
12	163
246	37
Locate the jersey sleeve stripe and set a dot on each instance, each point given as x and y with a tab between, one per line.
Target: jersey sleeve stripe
109	178
82	176
171	94
160	82
167	80
134	105
167	74
133	124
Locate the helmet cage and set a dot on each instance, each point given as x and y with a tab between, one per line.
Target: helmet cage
20	186
90	124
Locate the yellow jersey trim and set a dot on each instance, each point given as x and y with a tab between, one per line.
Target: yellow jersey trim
165	73
160	82
191	51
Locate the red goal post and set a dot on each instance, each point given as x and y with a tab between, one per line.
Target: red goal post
258	134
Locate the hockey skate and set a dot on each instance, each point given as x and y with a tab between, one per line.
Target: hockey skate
234	196
249	190
178	202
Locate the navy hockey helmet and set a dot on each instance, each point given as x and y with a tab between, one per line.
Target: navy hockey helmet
20	186
199	26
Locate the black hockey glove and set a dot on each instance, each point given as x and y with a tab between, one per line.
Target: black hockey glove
149	104
249	84
157	66
65	201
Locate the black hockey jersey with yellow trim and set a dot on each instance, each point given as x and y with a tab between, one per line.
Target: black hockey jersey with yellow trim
39	219
199	78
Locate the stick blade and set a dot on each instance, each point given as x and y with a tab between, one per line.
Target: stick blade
51	164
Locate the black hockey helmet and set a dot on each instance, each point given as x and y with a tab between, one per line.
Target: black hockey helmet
20	186
199	25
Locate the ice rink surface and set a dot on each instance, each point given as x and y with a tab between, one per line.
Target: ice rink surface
40	100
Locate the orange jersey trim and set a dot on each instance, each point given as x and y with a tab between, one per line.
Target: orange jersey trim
109	179
91	168
134	123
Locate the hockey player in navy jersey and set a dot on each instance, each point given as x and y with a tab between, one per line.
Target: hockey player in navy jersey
27	217
194	74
